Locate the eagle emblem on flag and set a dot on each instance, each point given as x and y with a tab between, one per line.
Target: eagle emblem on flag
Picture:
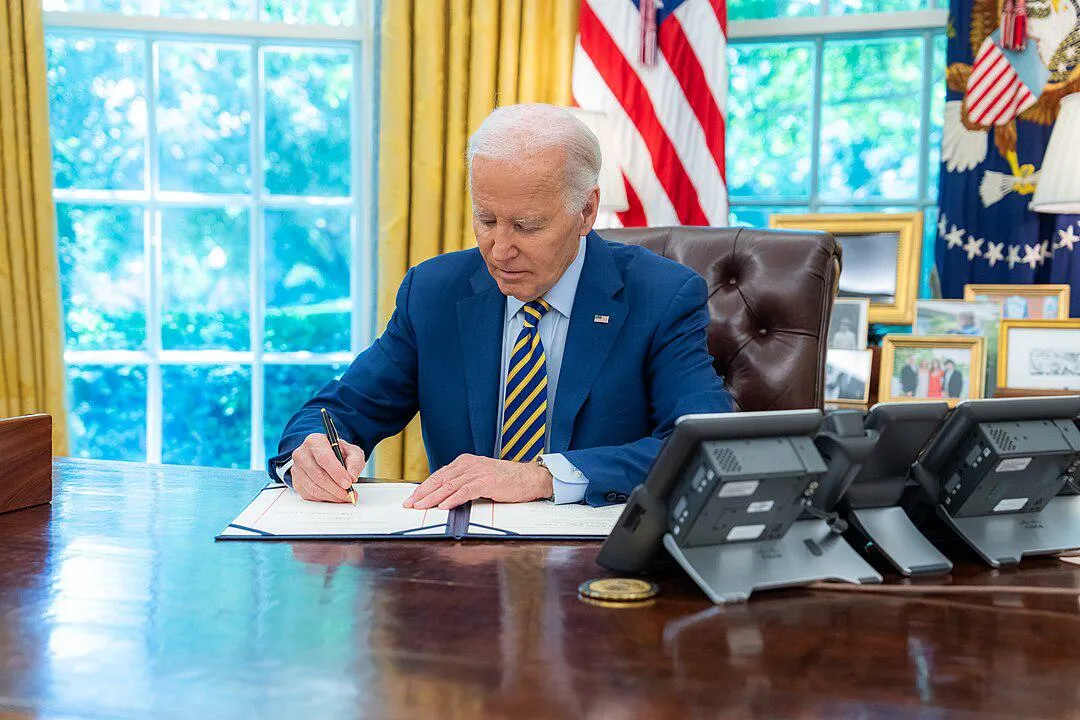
1025	81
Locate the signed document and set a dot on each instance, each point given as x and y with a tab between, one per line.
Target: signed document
279	513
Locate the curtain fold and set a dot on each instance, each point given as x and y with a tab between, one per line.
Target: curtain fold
445	64
31	334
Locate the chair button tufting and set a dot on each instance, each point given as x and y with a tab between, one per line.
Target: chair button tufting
731	281
762	331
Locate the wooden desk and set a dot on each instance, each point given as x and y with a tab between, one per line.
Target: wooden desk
116	602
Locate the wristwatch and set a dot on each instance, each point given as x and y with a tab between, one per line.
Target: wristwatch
540	461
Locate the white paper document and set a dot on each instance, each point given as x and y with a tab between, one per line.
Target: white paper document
378	511
542	517
278	512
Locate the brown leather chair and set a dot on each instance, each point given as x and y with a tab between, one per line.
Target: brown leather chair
770	298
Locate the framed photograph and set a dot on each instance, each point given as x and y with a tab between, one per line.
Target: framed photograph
847	376
881	257
960	317
946	368
1039	354
1024	302
849	324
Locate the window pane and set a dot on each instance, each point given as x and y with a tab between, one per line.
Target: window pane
853	7
102	276
761	9
214	9
128	7
205	270
204	117
937	114
758	217
207	415
769	119
97	108
326	12
307	280
870	119
307	122
288	388
108	412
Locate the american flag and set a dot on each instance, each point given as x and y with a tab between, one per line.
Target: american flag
658	71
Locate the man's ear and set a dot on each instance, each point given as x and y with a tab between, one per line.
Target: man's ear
588	213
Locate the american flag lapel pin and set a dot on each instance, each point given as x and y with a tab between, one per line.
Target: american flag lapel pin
602	319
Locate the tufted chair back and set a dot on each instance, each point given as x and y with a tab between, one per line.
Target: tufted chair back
770	298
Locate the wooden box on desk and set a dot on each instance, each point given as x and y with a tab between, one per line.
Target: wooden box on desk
26	449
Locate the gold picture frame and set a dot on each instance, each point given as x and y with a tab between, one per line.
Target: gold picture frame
1065	325
999	293
973	375
908	228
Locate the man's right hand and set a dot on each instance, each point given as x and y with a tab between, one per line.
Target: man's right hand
317	474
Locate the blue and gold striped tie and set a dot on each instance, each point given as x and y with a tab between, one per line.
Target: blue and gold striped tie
524	424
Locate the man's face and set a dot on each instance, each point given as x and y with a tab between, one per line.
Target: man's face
525	234
949	367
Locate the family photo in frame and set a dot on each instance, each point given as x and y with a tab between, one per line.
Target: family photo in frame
946	368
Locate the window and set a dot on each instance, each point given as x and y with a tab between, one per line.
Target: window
213	189
835	114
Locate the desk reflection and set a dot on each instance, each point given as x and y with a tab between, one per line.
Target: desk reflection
116	602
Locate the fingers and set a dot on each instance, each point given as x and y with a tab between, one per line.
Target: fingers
327	460
311	478
322	489
469	491
355	460
439	478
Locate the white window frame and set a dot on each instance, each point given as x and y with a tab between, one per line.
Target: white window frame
359	39
819	29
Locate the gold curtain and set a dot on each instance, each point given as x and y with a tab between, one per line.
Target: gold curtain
31	338
445	65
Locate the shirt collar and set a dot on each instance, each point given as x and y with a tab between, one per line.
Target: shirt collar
561	295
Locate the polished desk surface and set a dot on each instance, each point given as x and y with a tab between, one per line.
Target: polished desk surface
115	601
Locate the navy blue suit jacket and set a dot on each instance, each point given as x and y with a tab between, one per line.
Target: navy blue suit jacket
623	382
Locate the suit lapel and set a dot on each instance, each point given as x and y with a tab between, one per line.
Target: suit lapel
480	326
588	341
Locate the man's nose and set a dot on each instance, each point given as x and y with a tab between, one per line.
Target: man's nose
503	248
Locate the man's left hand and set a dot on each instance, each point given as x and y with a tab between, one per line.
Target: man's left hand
470	477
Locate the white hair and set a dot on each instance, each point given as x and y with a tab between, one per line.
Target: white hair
516	131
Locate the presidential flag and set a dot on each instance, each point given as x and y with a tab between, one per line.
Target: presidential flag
1009	65
658	71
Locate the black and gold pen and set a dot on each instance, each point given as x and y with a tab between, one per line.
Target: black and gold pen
335	442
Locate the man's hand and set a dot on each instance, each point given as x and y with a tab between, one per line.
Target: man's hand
470	477
317	474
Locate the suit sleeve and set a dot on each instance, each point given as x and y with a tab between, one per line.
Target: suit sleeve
375	398
681	381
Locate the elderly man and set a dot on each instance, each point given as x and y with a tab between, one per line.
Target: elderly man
546	363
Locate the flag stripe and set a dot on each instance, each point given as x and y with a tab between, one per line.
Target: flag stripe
592	93
631	94
675	46
634	215
668	114
669	103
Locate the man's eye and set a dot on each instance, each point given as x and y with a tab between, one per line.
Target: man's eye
524	228
487	223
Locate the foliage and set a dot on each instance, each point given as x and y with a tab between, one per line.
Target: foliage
197	250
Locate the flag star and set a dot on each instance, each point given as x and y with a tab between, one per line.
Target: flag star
941	224
1047	252
993	253
1014	256
1068	238
973	247
1032	255
955	237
